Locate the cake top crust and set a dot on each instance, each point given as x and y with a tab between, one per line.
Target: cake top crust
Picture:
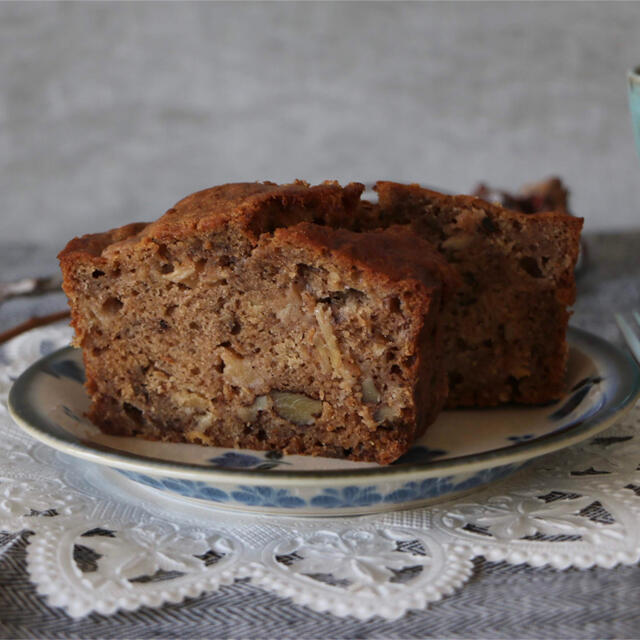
251	206
387	190
262	207
394	254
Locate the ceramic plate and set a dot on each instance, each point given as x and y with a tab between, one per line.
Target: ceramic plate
462	451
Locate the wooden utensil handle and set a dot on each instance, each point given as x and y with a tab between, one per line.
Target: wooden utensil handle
32	323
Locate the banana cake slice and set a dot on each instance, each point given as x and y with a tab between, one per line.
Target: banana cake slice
254	315
505	331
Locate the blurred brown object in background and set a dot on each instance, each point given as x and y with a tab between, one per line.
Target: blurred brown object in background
546	195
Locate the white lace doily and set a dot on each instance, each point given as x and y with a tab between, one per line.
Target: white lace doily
95	547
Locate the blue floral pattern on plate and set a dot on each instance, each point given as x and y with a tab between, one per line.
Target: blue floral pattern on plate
267	497
236	460
521	438
328	498
347	497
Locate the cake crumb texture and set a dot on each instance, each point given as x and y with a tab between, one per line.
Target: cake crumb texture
261	316
505	332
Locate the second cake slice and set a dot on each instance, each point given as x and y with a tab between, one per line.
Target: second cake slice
506	331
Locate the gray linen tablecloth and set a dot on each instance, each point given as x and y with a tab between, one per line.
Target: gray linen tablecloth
500	600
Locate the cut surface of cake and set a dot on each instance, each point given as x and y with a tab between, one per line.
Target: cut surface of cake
244	317
505	332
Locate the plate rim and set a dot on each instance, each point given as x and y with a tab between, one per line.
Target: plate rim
520	452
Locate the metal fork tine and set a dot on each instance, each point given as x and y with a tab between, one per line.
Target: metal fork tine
632	340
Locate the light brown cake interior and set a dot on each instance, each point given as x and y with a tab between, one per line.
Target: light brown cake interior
302	342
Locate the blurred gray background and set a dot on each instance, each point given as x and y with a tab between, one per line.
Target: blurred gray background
111	112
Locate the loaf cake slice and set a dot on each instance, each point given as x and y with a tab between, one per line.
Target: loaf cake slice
243	318
505	332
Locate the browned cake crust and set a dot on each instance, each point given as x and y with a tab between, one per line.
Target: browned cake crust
254	207
237	320
505	333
